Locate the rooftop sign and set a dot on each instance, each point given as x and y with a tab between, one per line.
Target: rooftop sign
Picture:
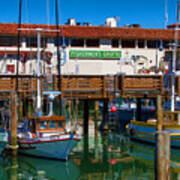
91	54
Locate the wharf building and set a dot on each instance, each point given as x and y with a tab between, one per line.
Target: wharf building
86	49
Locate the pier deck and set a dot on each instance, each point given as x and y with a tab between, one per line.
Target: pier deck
90	87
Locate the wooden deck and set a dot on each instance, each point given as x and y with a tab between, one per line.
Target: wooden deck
90	87
140	85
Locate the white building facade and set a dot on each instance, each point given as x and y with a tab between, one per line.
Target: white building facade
89	50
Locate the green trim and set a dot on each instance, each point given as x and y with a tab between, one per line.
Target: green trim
92	54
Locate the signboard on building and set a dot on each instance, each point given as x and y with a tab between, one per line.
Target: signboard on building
92	54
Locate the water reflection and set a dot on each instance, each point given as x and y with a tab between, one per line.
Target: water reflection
25	167
109	157
3	169
116	157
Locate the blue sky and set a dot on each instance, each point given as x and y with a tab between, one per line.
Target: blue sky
148	13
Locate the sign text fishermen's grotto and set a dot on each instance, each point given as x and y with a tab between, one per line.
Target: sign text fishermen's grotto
80	54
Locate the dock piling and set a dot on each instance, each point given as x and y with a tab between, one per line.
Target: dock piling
105	114
159	113
162	154
139	110
162	160
13	137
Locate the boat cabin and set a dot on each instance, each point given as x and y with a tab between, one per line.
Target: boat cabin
47	123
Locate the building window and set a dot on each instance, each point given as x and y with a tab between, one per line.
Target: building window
10	68
140	43
32	42
151	43
105	42
77	42
128	43
62	41
166	44
8	41
115	43
92	42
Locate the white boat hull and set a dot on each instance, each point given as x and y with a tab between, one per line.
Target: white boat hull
55	147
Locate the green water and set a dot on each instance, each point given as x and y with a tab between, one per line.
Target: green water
112	157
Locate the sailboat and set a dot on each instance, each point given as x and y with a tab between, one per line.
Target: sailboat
145	131
39	135
46	136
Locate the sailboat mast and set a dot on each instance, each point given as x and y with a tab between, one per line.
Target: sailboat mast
174	58
58	55
19	43
38	106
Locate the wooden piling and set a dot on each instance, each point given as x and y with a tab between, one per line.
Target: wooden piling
13	170
139	114
86	129
162	156
13	137
29	106
159	113
96	120
105	114
162	160
86	117
96	129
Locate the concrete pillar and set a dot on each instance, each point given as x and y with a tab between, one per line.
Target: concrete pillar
120	43
23	43
136	44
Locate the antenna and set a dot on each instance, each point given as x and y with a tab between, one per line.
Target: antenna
117	18
166	13
174	58
47	11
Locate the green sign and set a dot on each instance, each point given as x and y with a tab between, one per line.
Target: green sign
94	54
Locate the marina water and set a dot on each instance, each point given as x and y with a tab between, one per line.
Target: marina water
112	156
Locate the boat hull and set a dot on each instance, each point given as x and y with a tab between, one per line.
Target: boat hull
3	141
2	146
54	148
145	132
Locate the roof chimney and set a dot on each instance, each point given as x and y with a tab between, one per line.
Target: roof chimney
71	22
111	22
